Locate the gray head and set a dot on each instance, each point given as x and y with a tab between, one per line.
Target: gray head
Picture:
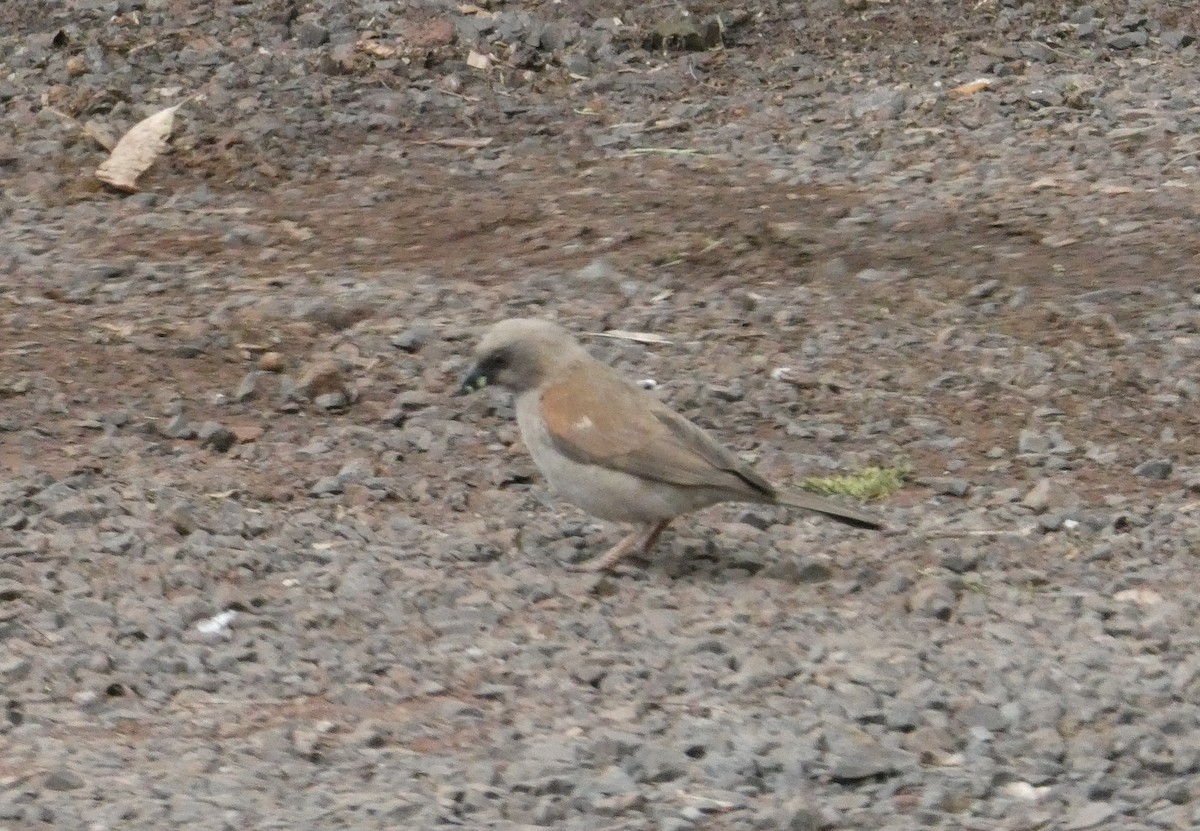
519	353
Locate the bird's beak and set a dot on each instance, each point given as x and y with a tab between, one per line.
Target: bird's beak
473	380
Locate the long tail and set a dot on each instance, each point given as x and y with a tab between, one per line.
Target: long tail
834	510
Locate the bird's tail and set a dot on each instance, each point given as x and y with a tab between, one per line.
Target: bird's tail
834	510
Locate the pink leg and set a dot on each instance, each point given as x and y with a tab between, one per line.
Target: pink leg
643	538
653	536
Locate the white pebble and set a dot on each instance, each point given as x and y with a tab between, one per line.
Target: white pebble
1023	791
217	624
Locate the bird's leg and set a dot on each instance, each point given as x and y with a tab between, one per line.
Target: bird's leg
643	538
653	536
611	557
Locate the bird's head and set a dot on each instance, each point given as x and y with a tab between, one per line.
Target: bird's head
518	354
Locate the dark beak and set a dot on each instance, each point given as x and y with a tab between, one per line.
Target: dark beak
473	380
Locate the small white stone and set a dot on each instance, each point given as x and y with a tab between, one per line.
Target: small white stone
1140	596
217	624
1023	791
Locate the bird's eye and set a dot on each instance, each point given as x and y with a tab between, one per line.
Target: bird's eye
499	359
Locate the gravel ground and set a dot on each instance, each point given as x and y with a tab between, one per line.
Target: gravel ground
259	568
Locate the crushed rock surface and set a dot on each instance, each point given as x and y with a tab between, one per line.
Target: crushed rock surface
261	568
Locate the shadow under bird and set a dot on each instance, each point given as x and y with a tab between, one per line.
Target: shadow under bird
611	448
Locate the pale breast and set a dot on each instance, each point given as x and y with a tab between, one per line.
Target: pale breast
604	493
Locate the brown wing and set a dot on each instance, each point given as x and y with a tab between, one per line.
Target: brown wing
597	417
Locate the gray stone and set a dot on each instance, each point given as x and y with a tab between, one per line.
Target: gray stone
1154	469
958	488
331	401
984	715
179	428
1051	523
654	765
1058	443
13	668
76	510
248	387
613	781
863	764
327	486
553	37
215	436
1044	97
12	518
413	340
579	64
984	290
1032	443
796	814
812	571
933	598
1179	792
1175	39
899	714
1128	40
312	35
1089	815
878	104
319	378
733	392
962	560
492	692
1083	14
1038	497
858	702
63	780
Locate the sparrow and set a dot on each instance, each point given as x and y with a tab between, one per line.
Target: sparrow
611	448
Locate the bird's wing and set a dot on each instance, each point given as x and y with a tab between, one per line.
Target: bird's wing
597	417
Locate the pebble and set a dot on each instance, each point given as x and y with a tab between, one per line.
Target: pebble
1039	496
312	35
933	598
63	780
1032	443
247	388
1051	522
861	765
1089	815
1128	40
957	488
216	437
13	668
412	340
1154	469
76	510
881	104
730	393
1176	39
321	378
179	428
331	401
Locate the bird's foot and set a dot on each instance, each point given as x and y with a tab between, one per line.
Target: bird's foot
643	539
609	559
